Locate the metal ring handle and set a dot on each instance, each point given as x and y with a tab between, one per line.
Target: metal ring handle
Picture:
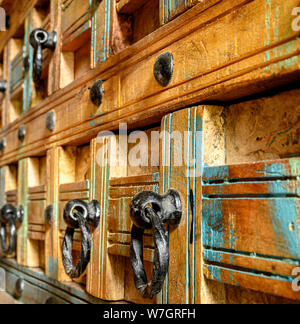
79	214
161	260
150	210
8	217
10	249
40	39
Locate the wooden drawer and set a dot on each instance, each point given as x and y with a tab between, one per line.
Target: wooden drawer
115	187
250	225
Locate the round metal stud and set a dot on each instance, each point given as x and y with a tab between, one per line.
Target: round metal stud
19	289
50	120
2	145
97	93
21	133
163	69
49	214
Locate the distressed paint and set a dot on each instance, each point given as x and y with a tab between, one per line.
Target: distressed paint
184	179
281	212
100	30
28	75
169	9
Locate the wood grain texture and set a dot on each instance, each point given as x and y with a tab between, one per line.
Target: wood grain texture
256	67
183	282
250	219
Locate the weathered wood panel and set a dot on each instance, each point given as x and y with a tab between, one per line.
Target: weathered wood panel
197	81
250	225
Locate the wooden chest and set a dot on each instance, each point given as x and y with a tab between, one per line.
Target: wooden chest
151	139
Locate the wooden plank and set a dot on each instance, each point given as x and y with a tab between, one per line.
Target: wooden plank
183	281
101	21
76	24
253	189
258	225
269	285
74	187
280	169
171	9
36	211
105	276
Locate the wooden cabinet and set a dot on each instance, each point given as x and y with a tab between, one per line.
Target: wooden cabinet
222	131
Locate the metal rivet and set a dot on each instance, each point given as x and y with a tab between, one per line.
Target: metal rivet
163	69
50	120
2	145
19	289
97	93
3	86
49	213
21	133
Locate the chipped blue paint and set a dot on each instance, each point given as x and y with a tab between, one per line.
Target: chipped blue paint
283	212
213	223
220	172
102	54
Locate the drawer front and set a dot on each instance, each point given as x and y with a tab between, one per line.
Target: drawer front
250	225
110	275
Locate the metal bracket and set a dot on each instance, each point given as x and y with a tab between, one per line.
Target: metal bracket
40	39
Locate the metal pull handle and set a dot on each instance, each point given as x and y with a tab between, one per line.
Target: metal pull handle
40	40
149	210
79	214
3	86
10	215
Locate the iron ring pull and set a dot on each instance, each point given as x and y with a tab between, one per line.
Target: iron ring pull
79	214
9	215
149	210
40	40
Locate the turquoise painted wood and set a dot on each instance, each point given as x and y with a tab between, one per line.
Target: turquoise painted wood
251	225
182	284
169	9
28	75
101	29
16	72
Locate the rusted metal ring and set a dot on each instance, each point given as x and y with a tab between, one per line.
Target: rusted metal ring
148	289
8	218
79	214
151	210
